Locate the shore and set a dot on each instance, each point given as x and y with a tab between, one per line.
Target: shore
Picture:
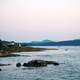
8	52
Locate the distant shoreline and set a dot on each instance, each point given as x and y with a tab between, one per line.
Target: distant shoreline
8	52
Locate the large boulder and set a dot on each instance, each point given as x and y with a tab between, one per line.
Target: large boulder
39	63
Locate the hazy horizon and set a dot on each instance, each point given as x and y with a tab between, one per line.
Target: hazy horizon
29	20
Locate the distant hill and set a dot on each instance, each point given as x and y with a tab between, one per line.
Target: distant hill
75	42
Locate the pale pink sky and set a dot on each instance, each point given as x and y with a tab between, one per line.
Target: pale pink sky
24	20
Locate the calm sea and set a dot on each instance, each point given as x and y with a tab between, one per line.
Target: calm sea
69	68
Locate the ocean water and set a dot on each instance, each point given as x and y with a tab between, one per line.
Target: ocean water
69	68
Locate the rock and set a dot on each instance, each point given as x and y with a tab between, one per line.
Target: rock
35	63
39	63
0	69
25	64
4	64
8	55
18	65
52	62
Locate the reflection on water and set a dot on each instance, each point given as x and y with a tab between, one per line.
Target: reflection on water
69	68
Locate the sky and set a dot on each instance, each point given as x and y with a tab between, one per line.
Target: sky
28	20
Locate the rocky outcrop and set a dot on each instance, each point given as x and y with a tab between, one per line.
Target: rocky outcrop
39	63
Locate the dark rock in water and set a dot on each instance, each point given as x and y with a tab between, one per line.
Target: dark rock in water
25	64
18	65
9	55
52	62
4	64
13	55
56	63
0	69
39	63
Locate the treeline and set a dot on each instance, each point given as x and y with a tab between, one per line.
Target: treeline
8	44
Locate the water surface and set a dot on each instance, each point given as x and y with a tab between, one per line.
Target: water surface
69	68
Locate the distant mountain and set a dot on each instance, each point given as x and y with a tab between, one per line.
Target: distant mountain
75	42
